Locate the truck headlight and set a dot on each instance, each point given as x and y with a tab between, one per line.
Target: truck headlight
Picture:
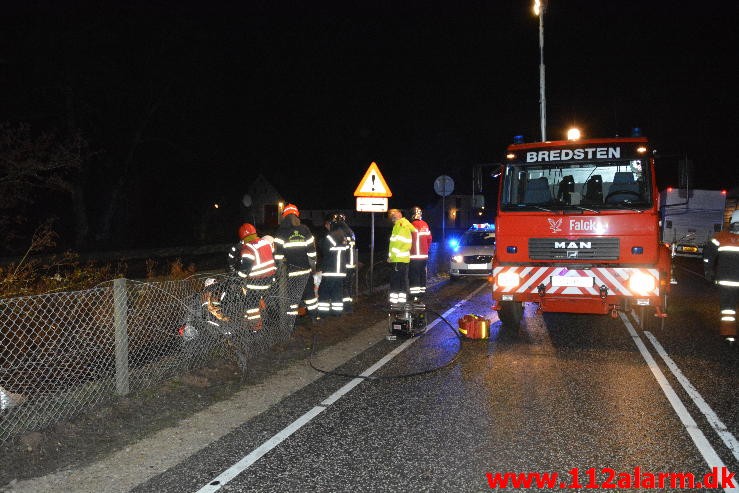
508	279
641	282
457	259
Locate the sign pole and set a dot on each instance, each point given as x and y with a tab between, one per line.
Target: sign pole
443	220
372	253
372	194
443	185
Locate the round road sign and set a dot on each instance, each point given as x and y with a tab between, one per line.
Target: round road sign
444	185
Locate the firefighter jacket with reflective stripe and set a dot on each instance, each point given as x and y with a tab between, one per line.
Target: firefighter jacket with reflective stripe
295	245
421	240
722	253
401	240
351	262
334	248
257	261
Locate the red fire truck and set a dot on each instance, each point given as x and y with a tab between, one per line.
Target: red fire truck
578	229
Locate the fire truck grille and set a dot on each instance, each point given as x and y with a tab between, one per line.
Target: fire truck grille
477	259
573	249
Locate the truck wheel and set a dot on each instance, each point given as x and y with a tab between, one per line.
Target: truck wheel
510	314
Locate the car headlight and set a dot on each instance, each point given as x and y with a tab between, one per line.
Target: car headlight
641	282
457	259
508	279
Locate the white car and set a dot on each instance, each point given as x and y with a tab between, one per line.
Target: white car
472	254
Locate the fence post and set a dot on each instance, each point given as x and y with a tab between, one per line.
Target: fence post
355	280
283	280
120	312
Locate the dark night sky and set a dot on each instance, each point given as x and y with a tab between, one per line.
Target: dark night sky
309	93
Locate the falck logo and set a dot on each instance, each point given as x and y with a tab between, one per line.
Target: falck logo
555	225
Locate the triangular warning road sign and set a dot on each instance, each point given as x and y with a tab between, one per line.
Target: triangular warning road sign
373	184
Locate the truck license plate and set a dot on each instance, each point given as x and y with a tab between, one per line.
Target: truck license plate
580	282
477	266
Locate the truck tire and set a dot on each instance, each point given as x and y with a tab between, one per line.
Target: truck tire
510	314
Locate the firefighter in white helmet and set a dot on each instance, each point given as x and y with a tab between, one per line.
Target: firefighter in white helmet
721	262
421	239
334	247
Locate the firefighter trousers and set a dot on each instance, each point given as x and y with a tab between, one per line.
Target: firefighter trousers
417	277
728	298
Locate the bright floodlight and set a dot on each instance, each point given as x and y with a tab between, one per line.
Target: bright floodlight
537	7
573	134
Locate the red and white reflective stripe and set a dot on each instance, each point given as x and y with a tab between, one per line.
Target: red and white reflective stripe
615	279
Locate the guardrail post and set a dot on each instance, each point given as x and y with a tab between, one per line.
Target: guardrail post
120	313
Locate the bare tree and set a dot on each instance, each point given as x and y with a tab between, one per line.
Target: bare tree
32	165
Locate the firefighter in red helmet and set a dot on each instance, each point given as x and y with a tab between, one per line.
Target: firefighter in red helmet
252	260
295	247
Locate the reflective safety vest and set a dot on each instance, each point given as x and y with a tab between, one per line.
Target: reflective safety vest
421	240
401	240
257	254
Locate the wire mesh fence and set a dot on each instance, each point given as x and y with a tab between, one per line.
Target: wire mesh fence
64	353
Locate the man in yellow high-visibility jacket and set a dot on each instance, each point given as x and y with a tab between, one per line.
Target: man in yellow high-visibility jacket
399	256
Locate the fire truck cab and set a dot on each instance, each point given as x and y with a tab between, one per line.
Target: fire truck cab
578	229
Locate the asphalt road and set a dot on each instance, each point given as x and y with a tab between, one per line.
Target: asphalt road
591	398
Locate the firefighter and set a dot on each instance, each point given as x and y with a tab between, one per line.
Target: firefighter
351	264
212	298
295	248
721	261
421	241
252	260
334	246
399	256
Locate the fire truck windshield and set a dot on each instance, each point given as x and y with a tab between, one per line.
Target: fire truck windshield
597	185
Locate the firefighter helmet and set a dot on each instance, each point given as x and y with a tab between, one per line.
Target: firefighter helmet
290	209
246	229
416	213
334	217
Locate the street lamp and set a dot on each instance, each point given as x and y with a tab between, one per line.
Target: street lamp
539	7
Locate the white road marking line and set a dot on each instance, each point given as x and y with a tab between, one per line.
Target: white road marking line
699	439
222	479
718	426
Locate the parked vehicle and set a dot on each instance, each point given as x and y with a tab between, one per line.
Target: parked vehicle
472	254
690	218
